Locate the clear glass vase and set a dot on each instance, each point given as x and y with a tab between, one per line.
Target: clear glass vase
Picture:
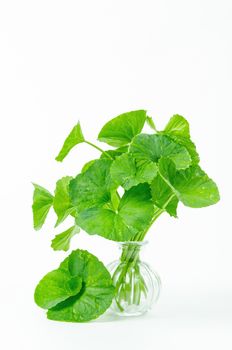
137	285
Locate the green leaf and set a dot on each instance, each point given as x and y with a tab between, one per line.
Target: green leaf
123	170
114	153
151	123
163	196
42	202
191	186
189	145
146	171
121	130
177	126
80	290
178	130
102	222
153	147
62	203
72	140
77	264
136	207
115	199
62	240
93	187
128	172
87	165
134	213
56	287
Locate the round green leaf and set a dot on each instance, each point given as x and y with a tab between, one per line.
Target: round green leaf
134	214
55	288
120	130
128	172
191	186
153	147
93	187
178	130
79	290
95	295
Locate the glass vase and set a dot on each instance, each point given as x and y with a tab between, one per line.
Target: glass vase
137	286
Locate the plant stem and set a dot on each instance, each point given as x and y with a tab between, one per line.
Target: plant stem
98	148
129	262
157	213
168	183
124	290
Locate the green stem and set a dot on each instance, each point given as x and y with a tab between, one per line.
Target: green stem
157	213
129	259
168	183
98	148
140	236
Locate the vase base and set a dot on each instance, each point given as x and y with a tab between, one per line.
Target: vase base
137	286
129	314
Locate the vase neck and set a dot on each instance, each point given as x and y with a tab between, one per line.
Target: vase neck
131	250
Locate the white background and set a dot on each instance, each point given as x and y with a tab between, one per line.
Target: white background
61	61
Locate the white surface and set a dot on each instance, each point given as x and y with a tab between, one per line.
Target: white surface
61	61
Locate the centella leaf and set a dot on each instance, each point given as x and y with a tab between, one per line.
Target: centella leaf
42	202
120	130
134	214
74	138
191	186
153	147
127	172
62	203
178	130
62	240
93	187
80	290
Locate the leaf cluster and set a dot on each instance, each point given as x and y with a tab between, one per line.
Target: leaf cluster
154	171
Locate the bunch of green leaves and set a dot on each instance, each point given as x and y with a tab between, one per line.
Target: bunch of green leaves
156	171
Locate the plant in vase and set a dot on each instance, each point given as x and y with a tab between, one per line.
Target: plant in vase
156	171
